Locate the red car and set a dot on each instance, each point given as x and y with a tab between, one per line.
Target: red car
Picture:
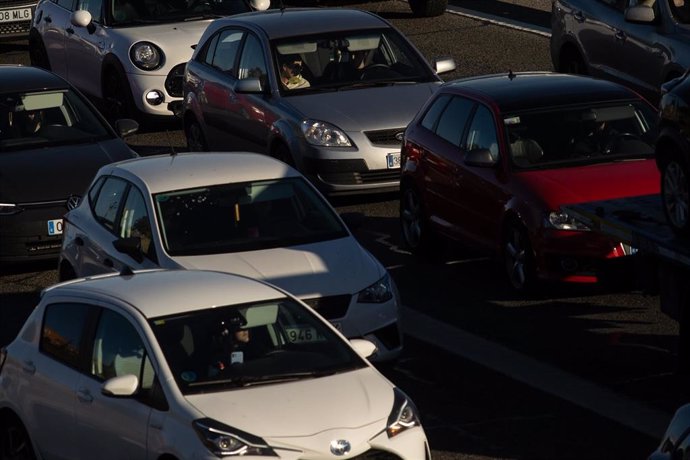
489	161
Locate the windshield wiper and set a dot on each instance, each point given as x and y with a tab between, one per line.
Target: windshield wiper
377	83
203	16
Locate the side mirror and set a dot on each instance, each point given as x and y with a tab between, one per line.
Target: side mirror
126	126
445	64
640	14
480	157
123	386
249	85
363	347
353	220
130	246
81	18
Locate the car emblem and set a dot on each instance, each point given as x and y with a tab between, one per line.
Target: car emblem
399	136
340	447
73	201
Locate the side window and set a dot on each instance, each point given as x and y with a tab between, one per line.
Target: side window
206	55
66	4
63	328
95	188
95	7
226	51
482	132
118	350
134	221
253	62
108	201
431	118
453	120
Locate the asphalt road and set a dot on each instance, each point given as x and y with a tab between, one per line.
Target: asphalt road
571	373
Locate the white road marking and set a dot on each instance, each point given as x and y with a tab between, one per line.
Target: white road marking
529	371
499	21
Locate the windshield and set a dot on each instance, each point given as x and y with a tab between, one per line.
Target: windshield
581	135
252	344
346	59
136	12
46	119
245	216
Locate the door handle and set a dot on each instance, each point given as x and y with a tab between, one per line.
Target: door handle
84	396
620	35
29	367
108	263
69	30
48	19
579	17
79	241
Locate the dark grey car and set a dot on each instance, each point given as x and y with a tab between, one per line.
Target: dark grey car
327	90
640	43
52	142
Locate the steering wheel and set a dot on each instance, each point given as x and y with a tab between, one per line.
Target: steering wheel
373	69
611	143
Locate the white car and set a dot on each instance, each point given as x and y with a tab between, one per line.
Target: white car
151	365
236	212
129	53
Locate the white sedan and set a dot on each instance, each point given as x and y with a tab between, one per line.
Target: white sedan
235	212
190	364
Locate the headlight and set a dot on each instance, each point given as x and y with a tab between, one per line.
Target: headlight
146	56
379	292
562	221
7	209
225	441
324	134
403	416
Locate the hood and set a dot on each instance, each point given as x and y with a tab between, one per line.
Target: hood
55	173
366	108
303	408
607	181
313	270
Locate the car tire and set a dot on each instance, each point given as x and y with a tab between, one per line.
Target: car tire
428	8
66	272
517	258
571	62
15	443
117	96
37	52
675	196
196	142
414	226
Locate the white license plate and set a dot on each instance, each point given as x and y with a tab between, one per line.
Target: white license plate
55	227
301	334
20	14
393	160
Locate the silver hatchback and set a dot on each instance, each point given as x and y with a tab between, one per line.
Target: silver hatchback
327	90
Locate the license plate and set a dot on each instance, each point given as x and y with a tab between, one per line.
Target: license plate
301	334
20	14
55	227
393	160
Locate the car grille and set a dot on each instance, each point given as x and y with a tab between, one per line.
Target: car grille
357	178
385	137
173	82
13	28
44	247
388	336
332	307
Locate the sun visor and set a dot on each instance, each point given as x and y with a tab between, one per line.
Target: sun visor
363	42
296	48
42	101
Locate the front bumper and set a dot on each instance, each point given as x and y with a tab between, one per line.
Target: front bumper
24	237
169	85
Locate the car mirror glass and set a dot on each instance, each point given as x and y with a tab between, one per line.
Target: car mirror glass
249	85
640	13
126	127
480	157
123	385
444	65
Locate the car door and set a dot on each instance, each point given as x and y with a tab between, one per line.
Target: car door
119	211
85	47
441	159
114	427
53	21
51	375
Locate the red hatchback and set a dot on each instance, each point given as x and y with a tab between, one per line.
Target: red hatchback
489	161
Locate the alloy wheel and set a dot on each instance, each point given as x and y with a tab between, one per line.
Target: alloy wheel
16	444
517	258
411	218
675	197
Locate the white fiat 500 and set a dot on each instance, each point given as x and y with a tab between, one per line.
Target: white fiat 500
187	364
129	53
236	212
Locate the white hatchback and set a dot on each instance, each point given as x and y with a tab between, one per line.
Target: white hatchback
235	212
187	364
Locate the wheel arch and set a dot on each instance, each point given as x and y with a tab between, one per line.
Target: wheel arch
570	49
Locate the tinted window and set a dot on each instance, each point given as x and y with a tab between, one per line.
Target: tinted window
127	12
93	192
95	7
134	221
225	54
482	132
253	63
453	120
206	55
108	202
431	117
63	327
67	4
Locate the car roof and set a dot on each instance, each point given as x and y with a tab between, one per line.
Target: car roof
20	78
533	90
163	173
293	22
158	293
